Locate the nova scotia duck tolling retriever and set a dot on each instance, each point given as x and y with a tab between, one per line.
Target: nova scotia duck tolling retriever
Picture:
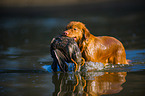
104	49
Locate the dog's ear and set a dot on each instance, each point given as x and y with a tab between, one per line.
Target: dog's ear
86	33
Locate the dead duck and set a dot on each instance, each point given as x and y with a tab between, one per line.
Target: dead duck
64	49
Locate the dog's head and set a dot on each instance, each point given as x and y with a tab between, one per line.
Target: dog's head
77	30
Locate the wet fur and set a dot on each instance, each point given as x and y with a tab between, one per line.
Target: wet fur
104	49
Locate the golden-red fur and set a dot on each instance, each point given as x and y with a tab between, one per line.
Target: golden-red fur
103	49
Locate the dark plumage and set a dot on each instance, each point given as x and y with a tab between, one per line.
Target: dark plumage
65	49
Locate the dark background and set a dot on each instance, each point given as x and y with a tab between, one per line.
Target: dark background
35	22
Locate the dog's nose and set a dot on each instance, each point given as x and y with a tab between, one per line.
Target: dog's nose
65	33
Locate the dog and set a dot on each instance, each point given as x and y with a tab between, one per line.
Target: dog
104	49
64	49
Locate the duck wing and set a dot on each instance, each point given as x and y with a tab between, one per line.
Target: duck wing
60	59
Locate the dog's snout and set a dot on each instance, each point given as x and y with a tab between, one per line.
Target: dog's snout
65	33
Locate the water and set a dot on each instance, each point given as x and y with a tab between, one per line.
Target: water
25	60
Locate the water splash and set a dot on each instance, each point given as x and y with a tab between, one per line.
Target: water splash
99	67
90	66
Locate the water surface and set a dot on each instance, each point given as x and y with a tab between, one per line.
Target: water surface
24	51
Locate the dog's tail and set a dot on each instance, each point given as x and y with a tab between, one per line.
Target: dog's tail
60	60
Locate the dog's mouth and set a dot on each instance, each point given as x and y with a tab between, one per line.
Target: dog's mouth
75	38
69	36
72	37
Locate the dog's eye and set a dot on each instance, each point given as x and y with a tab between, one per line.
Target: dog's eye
75	29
